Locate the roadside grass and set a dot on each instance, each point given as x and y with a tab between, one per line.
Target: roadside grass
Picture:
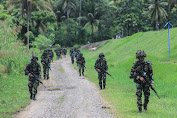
120	55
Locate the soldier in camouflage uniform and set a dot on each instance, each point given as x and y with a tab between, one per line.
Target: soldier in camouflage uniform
81	64
33	69
101	62
58	53
142	68
50	52
77	55
45	60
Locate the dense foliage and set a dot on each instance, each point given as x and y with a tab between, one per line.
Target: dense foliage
79	21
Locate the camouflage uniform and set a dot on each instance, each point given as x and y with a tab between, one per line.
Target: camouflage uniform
64	52
101	62
58	53
81	63
142	66
33	68
77	55
50	53
72	57
45	60
71	52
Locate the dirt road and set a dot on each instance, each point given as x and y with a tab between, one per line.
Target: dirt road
67	95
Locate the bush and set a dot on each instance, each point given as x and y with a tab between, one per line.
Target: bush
41	42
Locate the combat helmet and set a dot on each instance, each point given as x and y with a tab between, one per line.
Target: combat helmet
140	53
80	54
34	58
101	55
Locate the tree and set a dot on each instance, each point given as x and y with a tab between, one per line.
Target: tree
158	13
91	21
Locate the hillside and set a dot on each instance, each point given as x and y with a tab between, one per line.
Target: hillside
120	55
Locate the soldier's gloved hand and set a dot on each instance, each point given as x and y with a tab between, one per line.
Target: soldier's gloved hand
152	85
142	79
98	70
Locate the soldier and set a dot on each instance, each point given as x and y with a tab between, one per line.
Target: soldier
45	60
77	55
65	52
101	62
33	70
50	52
142	68
71	52
81	64
58	53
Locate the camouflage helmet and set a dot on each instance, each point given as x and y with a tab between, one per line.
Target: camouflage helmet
80	54
34	58
101	55
140	53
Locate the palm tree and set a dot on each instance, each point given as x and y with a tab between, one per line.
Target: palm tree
68	6
158	12
91	21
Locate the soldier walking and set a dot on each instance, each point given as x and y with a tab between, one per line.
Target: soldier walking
81	63
50	52
33	70
142	69
101	63
45	60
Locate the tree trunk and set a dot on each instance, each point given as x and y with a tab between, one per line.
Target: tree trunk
80	11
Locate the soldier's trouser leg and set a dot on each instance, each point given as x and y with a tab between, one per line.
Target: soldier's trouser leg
146	91
139	95
35	85
83	70
44	71
100	77
47	73
79	69
30	86
104	81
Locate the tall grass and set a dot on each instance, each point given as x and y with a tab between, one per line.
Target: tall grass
13	59
120	55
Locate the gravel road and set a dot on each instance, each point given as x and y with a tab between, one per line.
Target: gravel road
67	95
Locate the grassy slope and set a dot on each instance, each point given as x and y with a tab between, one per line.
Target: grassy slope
120	55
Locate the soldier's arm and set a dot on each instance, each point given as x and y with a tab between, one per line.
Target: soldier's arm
83	60
151	73
132	72
106	66
39	69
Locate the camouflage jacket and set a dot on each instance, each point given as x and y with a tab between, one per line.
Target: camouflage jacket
50	53
33	68
101	63
45	60
81	60
138	68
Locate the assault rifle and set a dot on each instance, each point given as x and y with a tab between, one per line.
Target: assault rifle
104	71
143	74
37	78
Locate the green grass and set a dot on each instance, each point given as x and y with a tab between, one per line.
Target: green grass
120	55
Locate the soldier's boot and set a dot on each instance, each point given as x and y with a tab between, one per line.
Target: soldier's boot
79	74
31	96
83	73
100	87
145	107
34	97
140	109
104	86
47	77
